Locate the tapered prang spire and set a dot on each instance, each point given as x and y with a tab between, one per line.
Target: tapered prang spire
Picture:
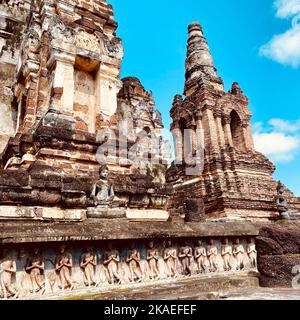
199	61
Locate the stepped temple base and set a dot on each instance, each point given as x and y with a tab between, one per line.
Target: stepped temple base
201	287
125	255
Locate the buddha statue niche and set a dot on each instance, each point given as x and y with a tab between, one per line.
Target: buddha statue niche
103	193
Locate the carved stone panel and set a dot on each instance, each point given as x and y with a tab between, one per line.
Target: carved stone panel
52	269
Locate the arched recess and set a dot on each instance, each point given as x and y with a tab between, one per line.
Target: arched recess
237	132
182	125
147	130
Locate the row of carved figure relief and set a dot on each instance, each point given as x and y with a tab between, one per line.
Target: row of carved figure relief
36	274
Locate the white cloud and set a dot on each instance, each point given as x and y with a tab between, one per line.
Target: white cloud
279	139
281	125
278	146
287	8
285	48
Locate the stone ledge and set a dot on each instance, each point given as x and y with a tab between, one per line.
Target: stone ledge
116	229
147	215
41	213
198	287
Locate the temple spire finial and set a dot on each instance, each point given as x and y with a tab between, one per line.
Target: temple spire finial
199	61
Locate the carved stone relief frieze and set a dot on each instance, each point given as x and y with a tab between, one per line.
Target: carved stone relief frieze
87	41
65	267
58	30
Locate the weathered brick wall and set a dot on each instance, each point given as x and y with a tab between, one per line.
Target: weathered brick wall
6	96
13	14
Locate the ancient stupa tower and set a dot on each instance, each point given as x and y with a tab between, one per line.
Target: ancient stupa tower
235	181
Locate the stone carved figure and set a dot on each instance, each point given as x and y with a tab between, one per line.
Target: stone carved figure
252	253
87	41
238	252
139	156
212	253
226	254
133	259
114	48
111	263
200	257
158	118
185	255
88	263
152	259
31	45
158	173
283	205
58	30
126	122
103	192
170	257
2	285
63	267
141	110
35	266
8	269
32	39
111	47
281	201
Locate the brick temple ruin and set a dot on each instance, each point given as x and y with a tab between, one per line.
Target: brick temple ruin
82	207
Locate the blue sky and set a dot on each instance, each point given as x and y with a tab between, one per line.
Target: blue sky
254	42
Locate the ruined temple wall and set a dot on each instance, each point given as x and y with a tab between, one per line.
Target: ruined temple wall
293	201
246	194
44	82
7	72
49	61
13	14
231	180
6	96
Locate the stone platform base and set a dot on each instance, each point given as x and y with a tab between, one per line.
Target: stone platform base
106	213
130	214
11	213
261	294
244	215
200	287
